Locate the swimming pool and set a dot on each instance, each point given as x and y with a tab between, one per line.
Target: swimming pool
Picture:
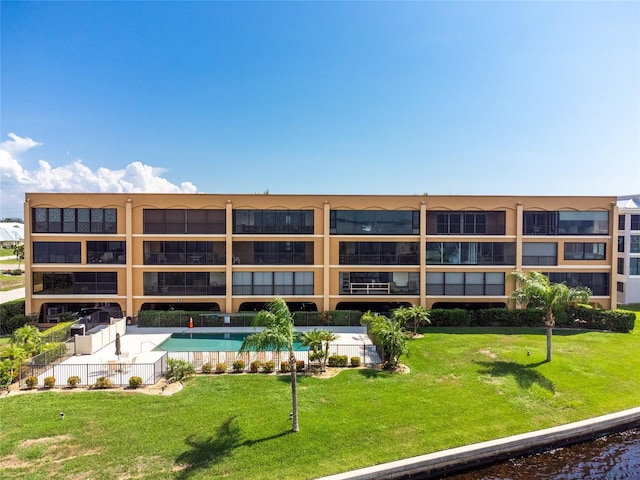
208	342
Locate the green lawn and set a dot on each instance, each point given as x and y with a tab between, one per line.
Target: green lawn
465	386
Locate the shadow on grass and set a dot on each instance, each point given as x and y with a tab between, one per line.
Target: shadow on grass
205	452
371	373
525	375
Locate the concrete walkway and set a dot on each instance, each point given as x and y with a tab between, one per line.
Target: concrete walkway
11	295
16	293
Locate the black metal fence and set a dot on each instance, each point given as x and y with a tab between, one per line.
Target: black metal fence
368	356
118	373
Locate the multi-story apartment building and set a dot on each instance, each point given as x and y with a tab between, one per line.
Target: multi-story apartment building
320	252
628	268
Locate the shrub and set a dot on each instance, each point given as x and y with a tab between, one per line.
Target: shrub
206	368
49	382
73	381
284	367
269	366
449	317
238	366
135	382
31	381
221	367
180	369
355	362
299	365
254	367
103	382
338	360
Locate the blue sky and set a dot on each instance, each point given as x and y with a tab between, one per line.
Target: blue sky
531	98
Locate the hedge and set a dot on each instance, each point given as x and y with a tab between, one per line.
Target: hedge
572	317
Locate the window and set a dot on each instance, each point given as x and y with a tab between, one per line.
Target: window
465	283
273	283
379	253
620	287
184	253
183	283
585	251
379	283
107	252
471	253
634	266
273	253
597	282
540	253
621	266
620	244
90	283
635	222
566	223
621	222
634	244
184	221
374	222
56	252
273	221
74	220
583	223
465	222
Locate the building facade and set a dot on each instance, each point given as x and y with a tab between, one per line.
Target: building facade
628	267
233	253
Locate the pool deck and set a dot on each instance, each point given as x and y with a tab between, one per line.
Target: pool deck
140	342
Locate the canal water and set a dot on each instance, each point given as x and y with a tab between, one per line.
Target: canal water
612	457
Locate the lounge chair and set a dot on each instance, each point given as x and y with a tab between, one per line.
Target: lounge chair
197	360
113	367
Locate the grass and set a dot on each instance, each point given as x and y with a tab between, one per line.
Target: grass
465	386
10	282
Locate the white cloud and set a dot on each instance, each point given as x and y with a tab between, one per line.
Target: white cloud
73	177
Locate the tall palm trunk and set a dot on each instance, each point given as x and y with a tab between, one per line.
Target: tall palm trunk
294	392
549	321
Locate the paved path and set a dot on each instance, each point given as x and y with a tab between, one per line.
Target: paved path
14	294
11	295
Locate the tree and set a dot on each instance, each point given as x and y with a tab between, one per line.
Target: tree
28	338
278	334
18	251
390	335
327	337
415	313
533	289
313	340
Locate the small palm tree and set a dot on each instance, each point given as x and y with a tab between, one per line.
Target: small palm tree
313	340
278	334
28	338
533	289
18	251
389	334
327	337
415	313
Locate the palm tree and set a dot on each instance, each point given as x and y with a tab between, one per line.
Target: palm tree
28	338
389	334
18	251
417	313
533	289
313	340
327	337
278	334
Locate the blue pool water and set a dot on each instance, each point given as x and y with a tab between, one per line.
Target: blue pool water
207	342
